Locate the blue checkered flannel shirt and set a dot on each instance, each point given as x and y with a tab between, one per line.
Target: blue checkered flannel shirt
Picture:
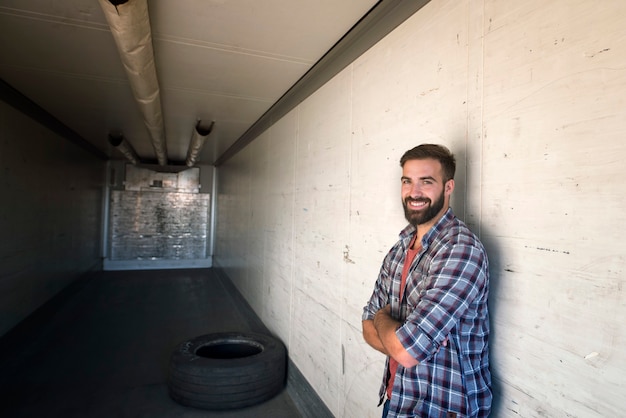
446	296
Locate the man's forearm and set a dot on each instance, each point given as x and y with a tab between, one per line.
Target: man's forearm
370	335
386	328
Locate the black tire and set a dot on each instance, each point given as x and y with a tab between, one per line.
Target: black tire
227	370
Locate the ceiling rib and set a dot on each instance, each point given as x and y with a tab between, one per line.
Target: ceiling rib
384	17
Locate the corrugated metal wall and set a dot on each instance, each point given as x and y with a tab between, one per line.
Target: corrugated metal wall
530	97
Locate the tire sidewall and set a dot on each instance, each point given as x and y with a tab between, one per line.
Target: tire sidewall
206	383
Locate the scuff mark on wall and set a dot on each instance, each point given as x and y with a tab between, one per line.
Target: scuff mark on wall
424	93
346	256
550	250
343	359
593	54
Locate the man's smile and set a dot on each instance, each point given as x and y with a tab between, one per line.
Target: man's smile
417	204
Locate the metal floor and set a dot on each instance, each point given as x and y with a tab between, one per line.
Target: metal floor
101	348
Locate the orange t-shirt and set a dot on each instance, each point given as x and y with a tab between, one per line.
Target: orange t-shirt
410	256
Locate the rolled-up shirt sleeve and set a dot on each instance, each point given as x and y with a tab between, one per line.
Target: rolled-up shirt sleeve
454	280
380	295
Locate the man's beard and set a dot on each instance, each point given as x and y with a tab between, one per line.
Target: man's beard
425	215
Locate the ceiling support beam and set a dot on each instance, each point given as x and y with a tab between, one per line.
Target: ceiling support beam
130	27
383	18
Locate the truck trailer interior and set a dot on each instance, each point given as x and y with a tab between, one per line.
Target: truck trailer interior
177	168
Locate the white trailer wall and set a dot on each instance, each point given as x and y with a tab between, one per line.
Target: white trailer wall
531	98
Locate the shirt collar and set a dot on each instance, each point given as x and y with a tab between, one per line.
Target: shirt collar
407	233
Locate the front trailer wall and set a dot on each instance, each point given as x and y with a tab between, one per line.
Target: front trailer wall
530	97
50	215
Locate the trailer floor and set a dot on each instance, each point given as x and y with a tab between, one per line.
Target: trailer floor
101	347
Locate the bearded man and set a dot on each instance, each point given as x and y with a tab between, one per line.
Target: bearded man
428	312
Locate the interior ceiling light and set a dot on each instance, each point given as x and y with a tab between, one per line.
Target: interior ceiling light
130	26
197	141
118	141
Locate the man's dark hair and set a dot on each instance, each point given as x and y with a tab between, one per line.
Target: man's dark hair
435	152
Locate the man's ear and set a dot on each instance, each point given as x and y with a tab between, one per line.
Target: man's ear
449	187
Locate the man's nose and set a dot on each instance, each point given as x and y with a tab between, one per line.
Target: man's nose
416	190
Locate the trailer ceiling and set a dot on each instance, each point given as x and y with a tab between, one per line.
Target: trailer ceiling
216	60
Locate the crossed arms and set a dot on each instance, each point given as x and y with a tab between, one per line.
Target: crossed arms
380	333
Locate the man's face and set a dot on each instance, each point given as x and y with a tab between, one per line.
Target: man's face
424	194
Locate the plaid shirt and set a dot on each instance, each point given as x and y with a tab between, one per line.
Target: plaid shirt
446	296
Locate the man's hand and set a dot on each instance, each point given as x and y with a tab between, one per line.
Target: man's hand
383	315
383	320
